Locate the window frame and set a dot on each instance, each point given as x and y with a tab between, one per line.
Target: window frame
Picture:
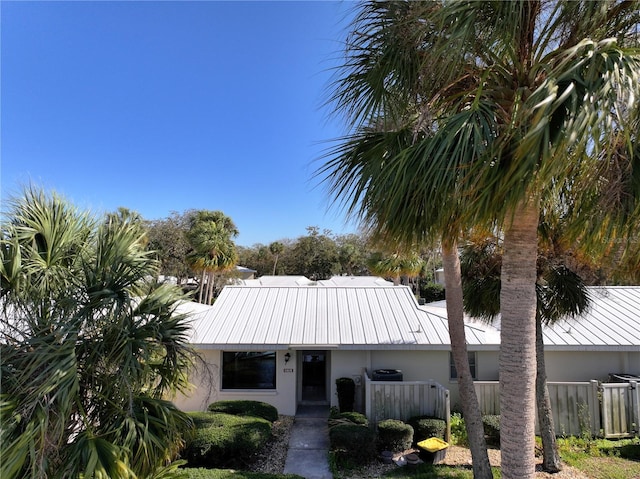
238	380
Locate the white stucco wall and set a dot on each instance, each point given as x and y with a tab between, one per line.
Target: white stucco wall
587	365
207	390
415	366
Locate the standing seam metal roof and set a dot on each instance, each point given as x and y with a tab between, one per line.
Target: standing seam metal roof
379	316
349	317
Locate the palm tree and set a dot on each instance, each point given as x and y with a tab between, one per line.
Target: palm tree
561	293
90	346
396	265
276	248
211	236
481	113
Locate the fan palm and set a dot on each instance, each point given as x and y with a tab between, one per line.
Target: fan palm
561	293
276	248
89	346
481	113
211	236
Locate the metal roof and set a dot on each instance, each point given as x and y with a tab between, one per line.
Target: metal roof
345	317
612	322
291	312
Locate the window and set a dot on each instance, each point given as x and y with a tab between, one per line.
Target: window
249	370
453	374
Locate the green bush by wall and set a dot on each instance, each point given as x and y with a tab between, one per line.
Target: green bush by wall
425	427
222	440
352	443
394	435
246	408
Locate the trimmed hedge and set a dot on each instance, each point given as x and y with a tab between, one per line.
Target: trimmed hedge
425	427
246	408
491	425
352	443
223	440
348	417
394	435
202	473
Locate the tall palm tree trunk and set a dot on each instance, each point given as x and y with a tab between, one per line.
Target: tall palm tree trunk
468	398
550	456
200	294
210	286
518	341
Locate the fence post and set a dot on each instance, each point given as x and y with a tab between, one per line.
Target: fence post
447	412
595	408
634	394
367	394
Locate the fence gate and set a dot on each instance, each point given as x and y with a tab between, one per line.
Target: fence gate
620	409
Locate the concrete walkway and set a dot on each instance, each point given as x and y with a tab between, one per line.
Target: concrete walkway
309	444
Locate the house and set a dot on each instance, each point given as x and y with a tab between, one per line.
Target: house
285	340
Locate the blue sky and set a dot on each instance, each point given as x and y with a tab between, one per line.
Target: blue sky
168	106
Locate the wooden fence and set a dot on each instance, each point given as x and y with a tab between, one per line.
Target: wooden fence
405	399
611	410
621	409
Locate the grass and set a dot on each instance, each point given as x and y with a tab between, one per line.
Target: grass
430	471
202	473
597	459
603	458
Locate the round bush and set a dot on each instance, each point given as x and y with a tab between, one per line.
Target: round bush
394	435
491	425
425	427
351	417
246	408
352	443
222	440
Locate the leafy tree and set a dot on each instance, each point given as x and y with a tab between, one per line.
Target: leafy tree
314	256
211	236
89	346
352	255
257	257
485	113
168	238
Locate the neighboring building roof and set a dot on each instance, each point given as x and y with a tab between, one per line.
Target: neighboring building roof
278	312
612	322
355	281
277	281
242	269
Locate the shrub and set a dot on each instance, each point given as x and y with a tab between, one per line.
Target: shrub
394	435
458	430
202	473
351	443
346	389
221	440
425	427
432	292
246	408
491	425
348	418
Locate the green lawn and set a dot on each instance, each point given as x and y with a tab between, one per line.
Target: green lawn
429	471
602	458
